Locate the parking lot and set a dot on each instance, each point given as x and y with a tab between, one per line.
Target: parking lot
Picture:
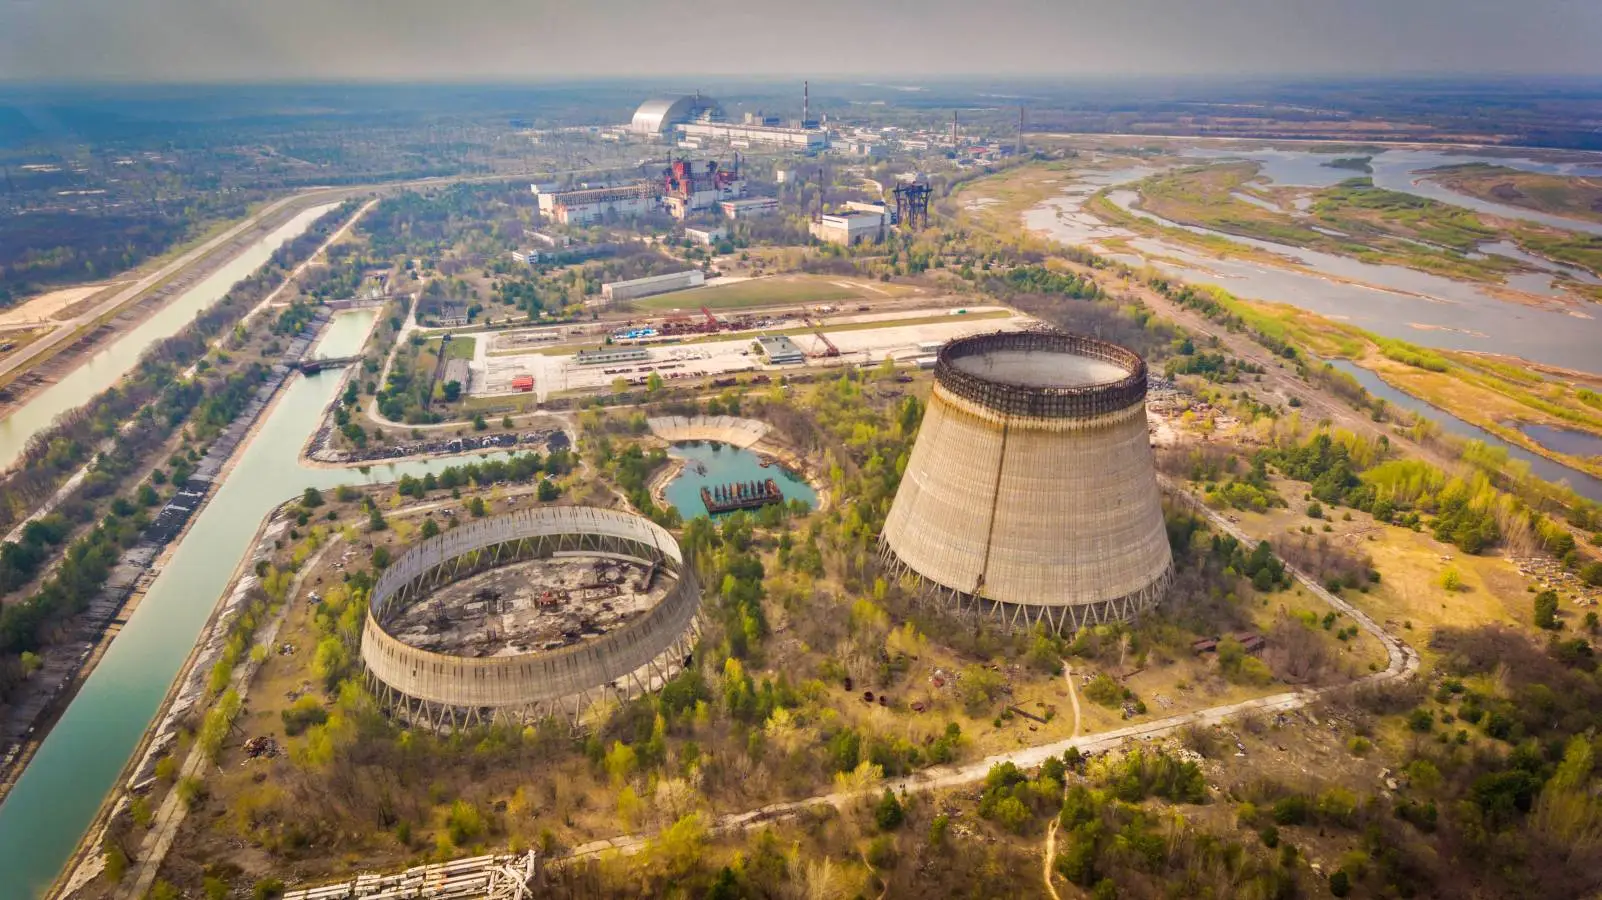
857	345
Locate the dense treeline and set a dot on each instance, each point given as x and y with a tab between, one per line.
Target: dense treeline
49	248
27	625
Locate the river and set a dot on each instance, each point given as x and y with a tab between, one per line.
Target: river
53	803
1406	171
1390	300
1583	483
116	359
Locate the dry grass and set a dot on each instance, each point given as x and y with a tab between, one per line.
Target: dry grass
1409	598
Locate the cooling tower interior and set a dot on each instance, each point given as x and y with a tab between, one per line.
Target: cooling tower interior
1031	493
543	612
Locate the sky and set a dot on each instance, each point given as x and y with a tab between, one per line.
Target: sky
422	40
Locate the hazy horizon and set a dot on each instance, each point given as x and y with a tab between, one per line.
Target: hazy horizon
313	41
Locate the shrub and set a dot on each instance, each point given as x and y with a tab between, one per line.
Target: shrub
887	813
191	790
1451	580
1340	884
1292	810
1546	604
1012	814
304	713
1103	689
465	823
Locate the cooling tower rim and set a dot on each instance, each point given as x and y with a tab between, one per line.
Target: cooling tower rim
1017	398
579	531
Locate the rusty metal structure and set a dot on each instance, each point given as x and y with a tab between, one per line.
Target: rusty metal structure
741	495
1031	493
446	692
912	204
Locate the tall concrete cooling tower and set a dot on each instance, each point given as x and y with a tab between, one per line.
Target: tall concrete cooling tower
1031	495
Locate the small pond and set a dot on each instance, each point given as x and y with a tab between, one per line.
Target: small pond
711	463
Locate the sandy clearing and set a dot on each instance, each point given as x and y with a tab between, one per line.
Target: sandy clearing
44	308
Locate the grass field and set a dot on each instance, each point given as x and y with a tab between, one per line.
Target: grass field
1410	563
779	291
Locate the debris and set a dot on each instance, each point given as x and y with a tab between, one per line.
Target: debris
261	747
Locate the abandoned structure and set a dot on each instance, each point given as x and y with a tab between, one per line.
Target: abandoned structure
1031	493
543	612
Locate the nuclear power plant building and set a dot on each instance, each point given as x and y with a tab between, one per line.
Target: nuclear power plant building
1031	493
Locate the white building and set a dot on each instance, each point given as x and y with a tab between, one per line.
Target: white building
706	236
850	227
757	135
618	291
749	208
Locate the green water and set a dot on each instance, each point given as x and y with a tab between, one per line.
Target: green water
117	359
53	803
725	463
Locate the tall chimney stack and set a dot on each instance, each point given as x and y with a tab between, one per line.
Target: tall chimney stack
806	103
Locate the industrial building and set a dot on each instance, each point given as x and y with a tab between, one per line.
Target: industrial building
850	227
1031	493
618	291
692	187
749	208
580	207
706	236
566	253
610	355
543	612
757	135
779	350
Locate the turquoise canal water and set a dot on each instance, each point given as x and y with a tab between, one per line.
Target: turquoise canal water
722	464
53	803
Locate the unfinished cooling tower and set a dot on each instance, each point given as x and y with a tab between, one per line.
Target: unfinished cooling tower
542	612
1031	494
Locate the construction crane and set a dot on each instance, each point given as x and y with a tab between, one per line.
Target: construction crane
712	324
829	349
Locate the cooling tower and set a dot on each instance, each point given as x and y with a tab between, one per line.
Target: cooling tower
1031	494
